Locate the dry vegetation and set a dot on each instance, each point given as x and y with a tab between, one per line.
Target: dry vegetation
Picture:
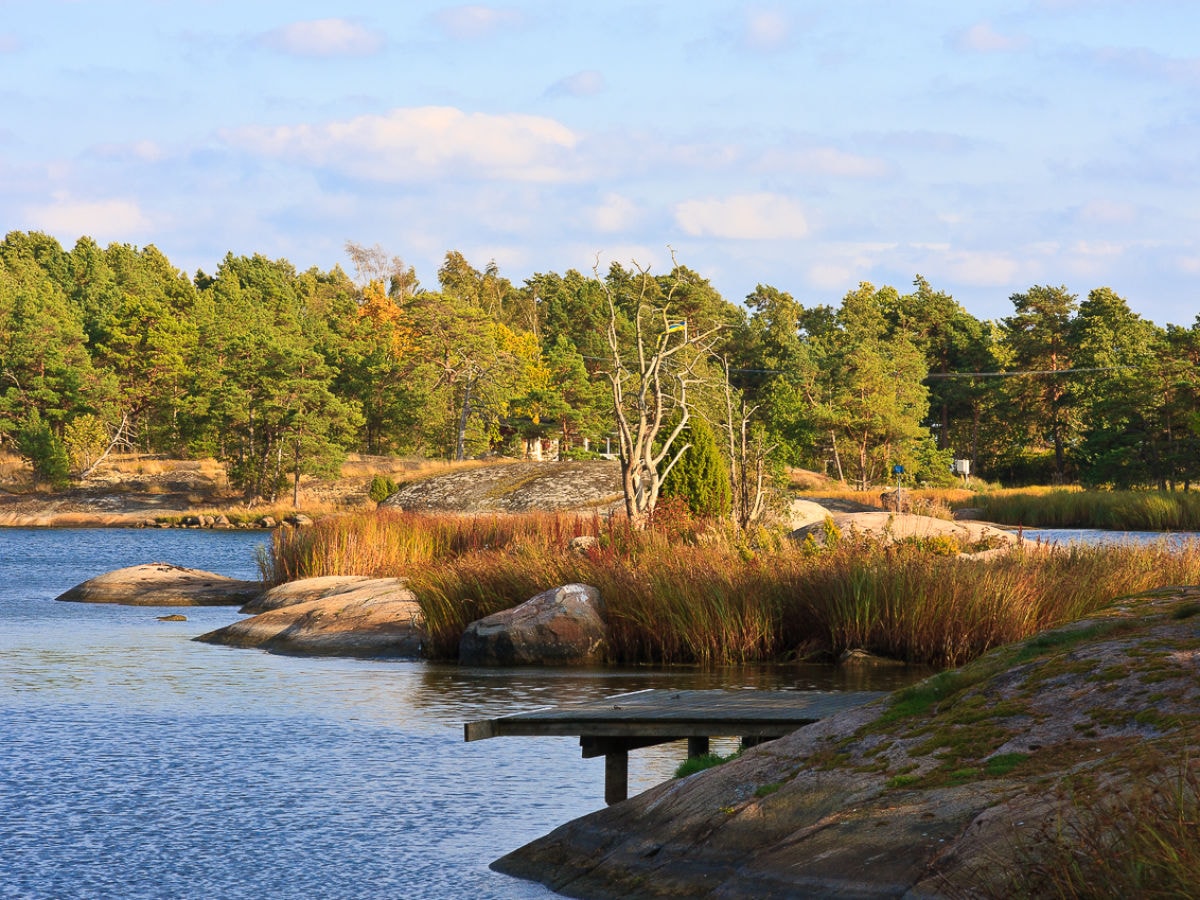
684	593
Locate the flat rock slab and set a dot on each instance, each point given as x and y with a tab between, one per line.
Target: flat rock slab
163	584
363	620
304	589
887	526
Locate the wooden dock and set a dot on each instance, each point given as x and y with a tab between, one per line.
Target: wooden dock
613	726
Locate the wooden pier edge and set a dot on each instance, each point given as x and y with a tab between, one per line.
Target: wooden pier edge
614	726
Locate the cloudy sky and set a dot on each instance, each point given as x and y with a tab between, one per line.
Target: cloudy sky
988	146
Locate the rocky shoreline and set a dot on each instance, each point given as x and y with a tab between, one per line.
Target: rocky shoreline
975	783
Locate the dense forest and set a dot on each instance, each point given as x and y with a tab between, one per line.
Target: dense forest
278	372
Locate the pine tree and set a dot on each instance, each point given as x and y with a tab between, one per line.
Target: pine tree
701	476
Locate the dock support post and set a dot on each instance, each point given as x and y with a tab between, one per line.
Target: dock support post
697	746
616	776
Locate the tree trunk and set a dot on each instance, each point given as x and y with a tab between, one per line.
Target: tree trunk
460	447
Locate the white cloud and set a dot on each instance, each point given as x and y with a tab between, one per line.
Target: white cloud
615	213
766	30
759	216
324	38
422	142
464	22
114	219
1189	264
581	84
827	161
828	277
983	38
979	268
142	151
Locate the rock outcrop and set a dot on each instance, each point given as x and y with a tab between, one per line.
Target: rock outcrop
305	589
162	584
887	527
560	627
515	487
356	617
968	784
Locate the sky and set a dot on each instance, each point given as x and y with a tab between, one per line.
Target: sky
986	146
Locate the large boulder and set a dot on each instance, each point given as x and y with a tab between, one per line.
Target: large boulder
888	527
800	513
360	618
563	626
163	584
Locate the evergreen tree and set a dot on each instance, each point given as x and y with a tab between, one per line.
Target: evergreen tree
700	476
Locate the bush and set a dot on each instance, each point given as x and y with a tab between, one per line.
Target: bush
38	443
701	476
381	488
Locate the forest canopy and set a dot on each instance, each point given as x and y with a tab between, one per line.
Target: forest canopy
279	372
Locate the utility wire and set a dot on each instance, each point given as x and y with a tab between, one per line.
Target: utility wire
938	375
1024	372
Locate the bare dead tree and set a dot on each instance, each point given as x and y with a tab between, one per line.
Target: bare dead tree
374	264
120	435
651	390
748	454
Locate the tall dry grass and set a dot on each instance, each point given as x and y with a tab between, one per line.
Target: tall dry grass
1073	508
681	594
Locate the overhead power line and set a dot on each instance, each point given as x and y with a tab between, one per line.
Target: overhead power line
1024	372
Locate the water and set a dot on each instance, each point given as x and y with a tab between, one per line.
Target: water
137	763
1066	536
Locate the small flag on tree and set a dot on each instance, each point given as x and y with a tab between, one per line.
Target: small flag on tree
676	326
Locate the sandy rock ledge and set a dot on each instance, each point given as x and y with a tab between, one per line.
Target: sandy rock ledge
163	584
350	616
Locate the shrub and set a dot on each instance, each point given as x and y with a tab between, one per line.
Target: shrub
38	443
381	488
701	476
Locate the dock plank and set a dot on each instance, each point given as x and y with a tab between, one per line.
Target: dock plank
678	714
615	725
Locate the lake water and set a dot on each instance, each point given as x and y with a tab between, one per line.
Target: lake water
1065	536
138	763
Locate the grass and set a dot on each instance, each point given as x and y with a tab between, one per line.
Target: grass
679	592
1073	508
694	764
1140	843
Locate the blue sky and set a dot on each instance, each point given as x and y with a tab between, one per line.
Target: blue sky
987	146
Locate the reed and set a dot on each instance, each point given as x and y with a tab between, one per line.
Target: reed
1121	510
682	592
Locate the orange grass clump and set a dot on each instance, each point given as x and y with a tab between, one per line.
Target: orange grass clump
683	592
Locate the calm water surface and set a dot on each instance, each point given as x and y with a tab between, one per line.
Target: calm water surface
136	762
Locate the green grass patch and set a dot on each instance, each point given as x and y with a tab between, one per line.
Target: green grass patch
766	790
694	764
1003	763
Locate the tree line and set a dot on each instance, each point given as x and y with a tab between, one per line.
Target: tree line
278	372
